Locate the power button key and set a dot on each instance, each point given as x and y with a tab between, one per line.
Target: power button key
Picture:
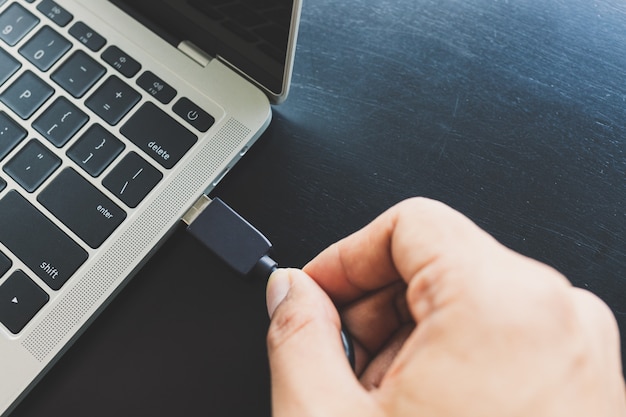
193	114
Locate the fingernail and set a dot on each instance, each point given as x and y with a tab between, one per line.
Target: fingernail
277	289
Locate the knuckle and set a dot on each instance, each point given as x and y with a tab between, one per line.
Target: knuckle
598	314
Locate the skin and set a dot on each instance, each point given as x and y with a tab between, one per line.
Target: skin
446	322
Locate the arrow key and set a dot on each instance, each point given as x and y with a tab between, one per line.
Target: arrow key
20	300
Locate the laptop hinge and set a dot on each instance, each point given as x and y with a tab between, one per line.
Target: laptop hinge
195	53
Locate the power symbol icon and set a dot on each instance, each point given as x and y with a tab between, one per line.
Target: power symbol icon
192	115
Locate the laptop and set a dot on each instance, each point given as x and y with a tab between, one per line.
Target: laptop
116	116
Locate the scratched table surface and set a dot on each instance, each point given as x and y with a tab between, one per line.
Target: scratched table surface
513	112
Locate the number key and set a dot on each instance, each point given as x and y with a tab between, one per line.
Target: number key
15	23
45	48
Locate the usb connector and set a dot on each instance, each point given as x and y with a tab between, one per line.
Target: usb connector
237	243
229	236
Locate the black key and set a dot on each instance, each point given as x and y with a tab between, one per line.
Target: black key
120	60
5	263
56	13
158	88
78	74
87	36
32	165
95	150
82	207
45	48
8	66
157	134
60	122
38	242
15	23
20	300
26	94
10	134
132	179
112	100
193	114
3	184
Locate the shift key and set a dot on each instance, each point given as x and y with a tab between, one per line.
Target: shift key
82	207
38	242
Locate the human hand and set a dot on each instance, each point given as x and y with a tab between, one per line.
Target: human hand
446	322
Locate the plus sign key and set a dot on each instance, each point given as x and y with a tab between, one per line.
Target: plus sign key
113	100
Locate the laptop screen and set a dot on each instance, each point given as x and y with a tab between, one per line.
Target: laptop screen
251	35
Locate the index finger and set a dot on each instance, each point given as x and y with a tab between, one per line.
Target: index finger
397	244
357	264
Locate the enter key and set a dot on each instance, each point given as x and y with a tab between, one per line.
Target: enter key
82	207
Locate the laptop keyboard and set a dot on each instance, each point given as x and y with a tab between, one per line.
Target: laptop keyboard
80	170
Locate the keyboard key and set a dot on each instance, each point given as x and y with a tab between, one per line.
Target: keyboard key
78	74
132	179
32	165
26	95
82	207
8	66
5	263
15	23
20	300
45	48
38	242
193	114
95	150
60	122
87	36
155	86
3	184
120	60
158	135
56	13
112	100
10	134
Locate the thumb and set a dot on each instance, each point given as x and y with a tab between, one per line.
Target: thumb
310	373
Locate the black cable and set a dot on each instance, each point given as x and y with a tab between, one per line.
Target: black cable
239	244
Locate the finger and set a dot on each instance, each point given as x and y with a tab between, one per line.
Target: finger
375	371
374	319
357	264
397	244
307	360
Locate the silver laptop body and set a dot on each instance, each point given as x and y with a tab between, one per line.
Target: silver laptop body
180	93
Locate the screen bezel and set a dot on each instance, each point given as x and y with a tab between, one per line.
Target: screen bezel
182	29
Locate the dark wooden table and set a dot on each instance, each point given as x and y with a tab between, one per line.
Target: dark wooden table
513	112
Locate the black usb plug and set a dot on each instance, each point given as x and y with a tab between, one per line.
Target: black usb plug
239	244
230	237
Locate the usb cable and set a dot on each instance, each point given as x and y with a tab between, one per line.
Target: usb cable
239	244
